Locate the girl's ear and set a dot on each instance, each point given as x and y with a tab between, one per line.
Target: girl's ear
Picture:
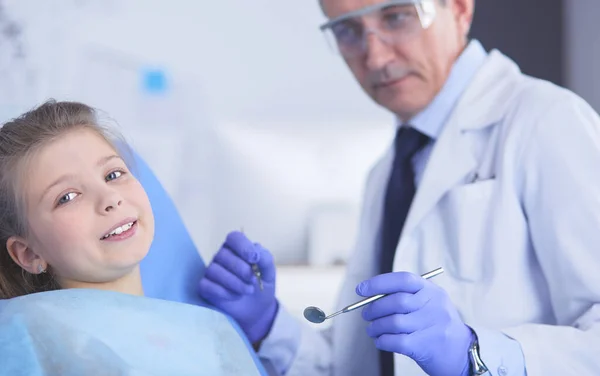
23	255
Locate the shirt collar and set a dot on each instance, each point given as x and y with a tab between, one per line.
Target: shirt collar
431	120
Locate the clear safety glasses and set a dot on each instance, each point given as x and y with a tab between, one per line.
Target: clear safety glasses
393	22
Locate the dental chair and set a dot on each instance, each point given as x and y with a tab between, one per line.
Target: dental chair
173	266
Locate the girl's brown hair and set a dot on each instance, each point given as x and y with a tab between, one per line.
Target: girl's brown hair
20	138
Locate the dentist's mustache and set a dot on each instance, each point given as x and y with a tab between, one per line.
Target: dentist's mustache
388	74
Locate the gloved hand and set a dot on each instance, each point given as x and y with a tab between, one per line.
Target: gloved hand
417	320
231	286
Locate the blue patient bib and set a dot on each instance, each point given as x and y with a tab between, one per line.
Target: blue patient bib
77	332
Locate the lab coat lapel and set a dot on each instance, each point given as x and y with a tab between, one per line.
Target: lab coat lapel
451	161
453	157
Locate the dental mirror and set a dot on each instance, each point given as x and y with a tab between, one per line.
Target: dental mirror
314	314
317	316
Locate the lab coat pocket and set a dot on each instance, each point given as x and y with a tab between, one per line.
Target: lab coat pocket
469	220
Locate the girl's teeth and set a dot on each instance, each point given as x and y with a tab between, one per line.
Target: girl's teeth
119	230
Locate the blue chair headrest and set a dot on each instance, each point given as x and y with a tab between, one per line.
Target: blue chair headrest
173	266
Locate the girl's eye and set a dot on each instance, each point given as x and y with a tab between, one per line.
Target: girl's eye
66	198
114	175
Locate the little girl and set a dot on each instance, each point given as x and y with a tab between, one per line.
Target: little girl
72	214
75	220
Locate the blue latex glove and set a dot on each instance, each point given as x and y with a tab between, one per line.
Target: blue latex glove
417	320
231	286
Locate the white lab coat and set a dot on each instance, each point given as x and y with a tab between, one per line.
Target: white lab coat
509	205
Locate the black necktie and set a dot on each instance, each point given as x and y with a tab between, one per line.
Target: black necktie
398	198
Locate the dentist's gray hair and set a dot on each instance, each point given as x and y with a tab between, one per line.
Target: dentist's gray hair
443	2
